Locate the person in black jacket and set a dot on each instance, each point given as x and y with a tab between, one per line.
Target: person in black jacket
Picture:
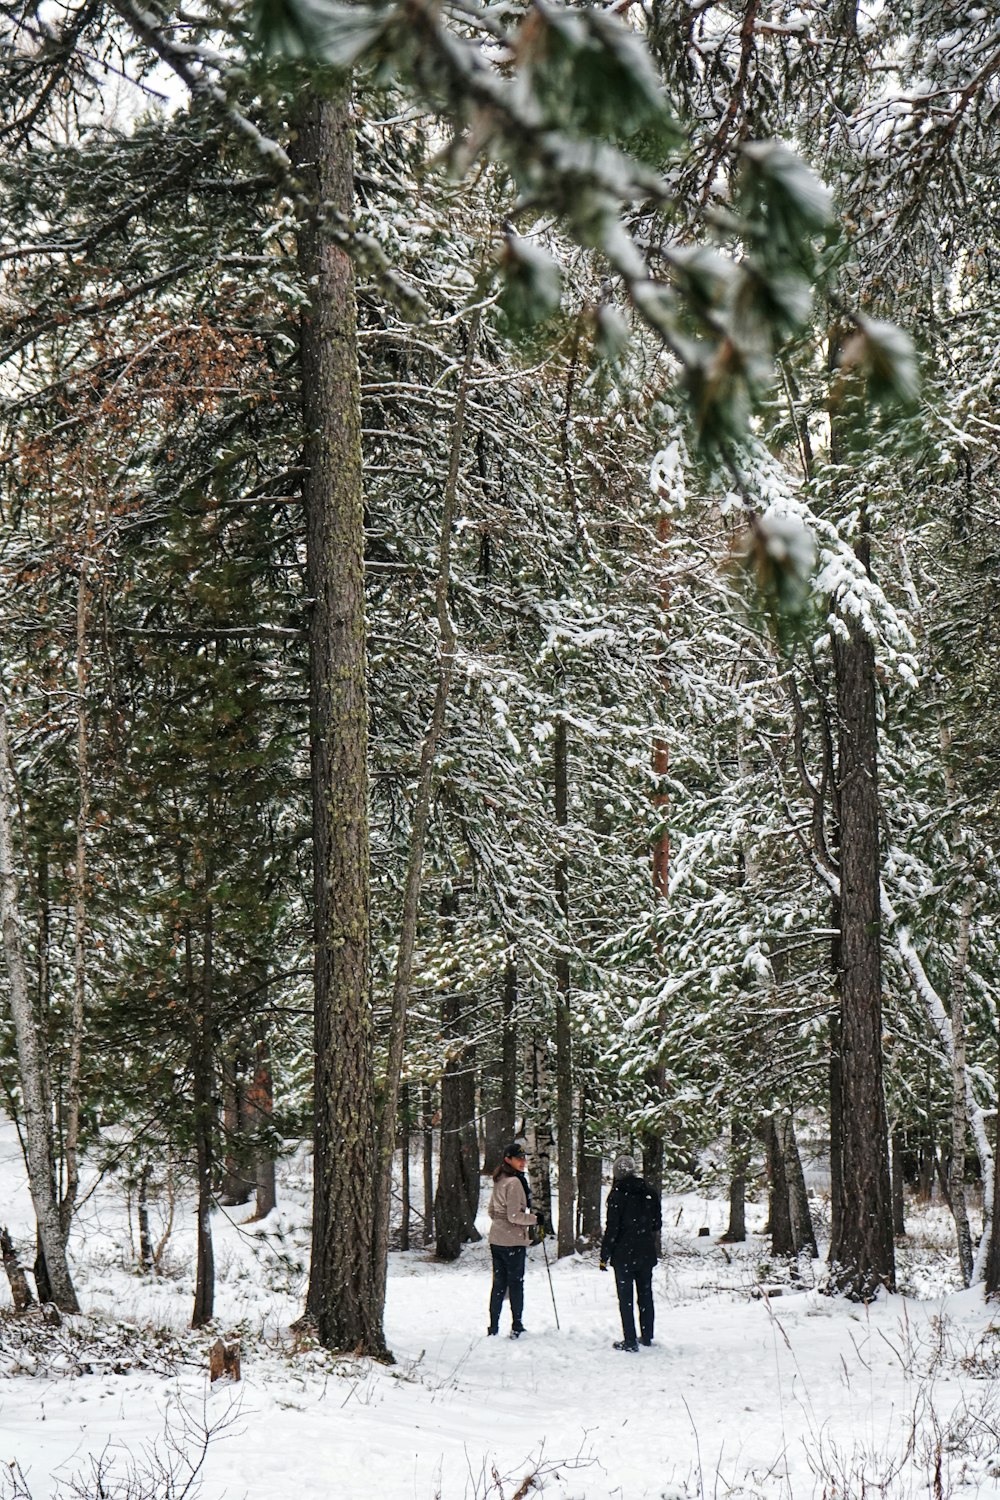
630	1244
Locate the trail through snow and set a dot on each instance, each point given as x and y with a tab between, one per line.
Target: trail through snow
741	1395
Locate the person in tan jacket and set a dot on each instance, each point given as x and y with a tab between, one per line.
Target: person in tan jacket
510	1219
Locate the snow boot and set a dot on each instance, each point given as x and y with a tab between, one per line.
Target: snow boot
515	1333
628	1348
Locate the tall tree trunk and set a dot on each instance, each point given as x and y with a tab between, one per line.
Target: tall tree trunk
39	1154
540	1160
71	1101
736	1231
497	1128
503	1105
433	735
142	1215
959	1121
261	1103
404	1175
565	1243
991	1267
861	1256
458	1162
343	1297
589	1171
803	1234
779	1216
235	1186
201	1067
427	1163
898	1198
836	1117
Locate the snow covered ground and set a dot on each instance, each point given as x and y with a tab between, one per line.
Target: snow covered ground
742	1394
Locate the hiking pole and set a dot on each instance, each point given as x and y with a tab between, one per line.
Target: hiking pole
549	1273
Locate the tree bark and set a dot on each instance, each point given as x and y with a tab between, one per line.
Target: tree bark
540	1160
343	1297
142	1215
861	1255
72	1101
736	1231
457	1196
991	1268
427	1163
260	1102
235	1186
404	1175
836	1114
803	1235
201	1068
566	1238
779	1216
589	1172
509	1050
959	1121
898	1198
500	1115
39	1154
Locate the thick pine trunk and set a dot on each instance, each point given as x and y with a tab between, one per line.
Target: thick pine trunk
861	1254
38	1145
565	1242
343	1294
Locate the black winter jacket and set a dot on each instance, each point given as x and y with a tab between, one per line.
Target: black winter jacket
634	1219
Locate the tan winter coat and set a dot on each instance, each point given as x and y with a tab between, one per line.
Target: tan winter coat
508	1209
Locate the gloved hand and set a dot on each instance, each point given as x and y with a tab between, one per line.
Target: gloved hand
539	1219
604	1265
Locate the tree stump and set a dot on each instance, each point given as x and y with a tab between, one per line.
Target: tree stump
19	1288
224	1361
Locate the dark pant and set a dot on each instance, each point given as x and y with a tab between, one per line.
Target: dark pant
635	1281
508	1280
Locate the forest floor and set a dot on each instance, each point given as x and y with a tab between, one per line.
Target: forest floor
787	1394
